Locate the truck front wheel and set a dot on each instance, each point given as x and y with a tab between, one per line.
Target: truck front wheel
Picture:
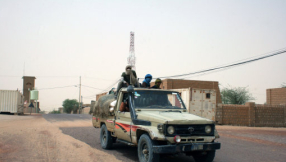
145	149
207	156
105	138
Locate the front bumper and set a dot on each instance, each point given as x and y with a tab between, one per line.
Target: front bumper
162	149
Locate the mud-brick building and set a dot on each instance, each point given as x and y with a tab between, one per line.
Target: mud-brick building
276	96
29	84
180	83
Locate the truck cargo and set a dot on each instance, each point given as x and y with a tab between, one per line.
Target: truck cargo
11	101
201	102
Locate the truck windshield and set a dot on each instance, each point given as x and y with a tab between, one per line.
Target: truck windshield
158	100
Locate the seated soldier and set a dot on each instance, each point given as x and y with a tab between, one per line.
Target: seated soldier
124	106
146	81
157	84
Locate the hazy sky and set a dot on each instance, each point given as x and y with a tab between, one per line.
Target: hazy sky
61	40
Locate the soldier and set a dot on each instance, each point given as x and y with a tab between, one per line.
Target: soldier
128	77
146	81
124	106
157	83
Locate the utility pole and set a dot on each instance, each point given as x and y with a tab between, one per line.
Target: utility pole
79	107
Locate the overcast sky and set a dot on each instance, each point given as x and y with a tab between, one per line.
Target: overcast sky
58	41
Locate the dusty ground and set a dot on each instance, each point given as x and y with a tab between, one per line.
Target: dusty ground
63	137
265	135
31	138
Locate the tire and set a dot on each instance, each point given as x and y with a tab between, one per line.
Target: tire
145	150
114	139
207	156
105	138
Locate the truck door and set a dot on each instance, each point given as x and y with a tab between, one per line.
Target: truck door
122	121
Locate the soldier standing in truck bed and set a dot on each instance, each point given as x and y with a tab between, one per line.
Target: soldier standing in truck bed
128	77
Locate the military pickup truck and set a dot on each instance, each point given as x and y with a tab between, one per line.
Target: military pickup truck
157	123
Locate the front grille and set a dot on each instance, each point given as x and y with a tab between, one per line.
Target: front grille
182	130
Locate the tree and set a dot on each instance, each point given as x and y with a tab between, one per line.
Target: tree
236	95
55	112
283	85
70	105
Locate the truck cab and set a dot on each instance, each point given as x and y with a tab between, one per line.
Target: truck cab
157	123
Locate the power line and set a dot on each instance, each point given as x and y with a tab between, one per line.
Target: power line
89	97
109	87
216	68
9	76
227	66
58	87
97	78
58	76
41	76
91	87
250	57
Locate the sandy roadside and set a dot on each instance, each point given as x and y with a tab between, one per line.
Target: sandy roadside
32	138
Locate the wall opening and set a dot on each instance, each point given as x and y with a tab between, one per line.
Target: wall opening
208	95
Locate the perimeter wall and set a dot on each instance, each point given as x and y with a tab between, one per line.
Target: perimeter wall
252	115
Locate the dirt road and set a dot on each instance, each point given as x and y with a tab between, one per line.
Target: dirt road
32	138
263	144
72	138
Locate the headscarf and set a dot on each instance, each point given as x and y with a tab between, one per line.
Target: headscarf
148	79
158	80
128	72
157	83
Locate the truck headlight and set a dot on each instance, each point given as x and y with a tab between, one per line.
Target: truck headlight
208	129
171	130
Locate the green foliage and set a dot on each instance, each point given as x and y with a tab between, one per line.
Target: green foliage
283	85
55	112
237	95
42	112
70	105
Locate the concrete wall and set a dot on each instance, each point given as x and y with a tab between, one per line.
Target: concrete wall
251	115
179	83
276	96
